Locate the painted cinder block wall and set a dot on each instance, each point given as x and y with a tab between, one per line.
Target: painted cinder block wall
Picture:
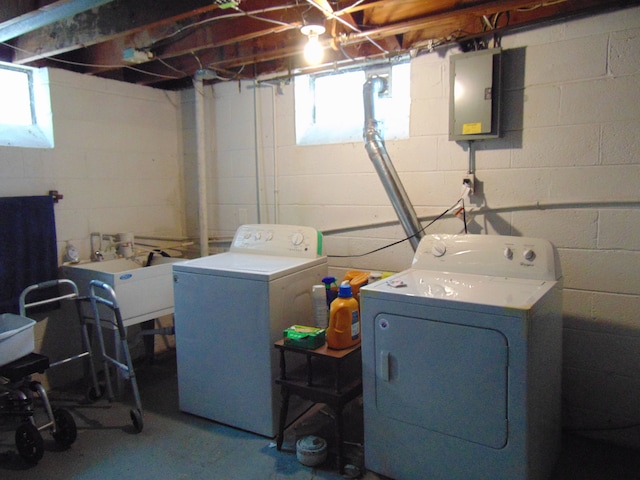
117	161
566	168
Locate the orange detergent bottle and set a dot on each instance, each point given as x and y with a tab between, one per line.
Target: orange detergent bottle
344	320
356	279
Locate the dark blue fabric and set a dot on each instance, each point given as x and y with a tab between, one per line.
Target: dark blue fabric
28	252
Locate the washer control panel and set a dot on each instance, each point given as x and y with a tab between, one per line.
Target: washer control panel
274	239
495	255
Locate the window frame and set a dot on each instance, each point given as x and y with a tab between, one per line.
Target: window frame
310	132
39	133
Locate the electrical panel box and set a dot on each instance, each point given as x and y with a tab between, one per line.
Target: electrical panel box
474	104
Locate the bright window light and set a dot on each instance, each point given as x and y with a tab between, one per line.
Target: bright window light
15	97
329	108
25	107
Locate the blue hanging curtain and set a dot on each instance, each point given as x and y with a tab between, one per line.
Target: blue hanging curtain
28	252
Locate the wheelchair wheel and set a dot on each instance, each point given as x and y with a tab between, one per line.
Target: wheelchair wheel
66	431
29	443
136	419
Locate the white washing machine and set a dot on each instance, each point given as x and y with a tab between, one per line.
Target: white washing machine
461	360
230	308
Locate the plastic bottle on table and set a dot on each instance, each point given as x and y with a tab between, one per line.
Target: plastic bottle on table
331	289
344	320
320	310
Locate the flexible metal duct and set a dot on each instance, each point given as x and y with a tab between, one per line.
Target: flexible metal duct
382	163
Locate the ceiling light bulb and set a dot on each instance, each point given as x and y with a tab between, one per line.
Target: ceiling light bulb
313	51
312	29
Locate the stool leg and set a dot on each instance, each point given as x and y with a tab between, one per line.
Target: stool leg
284	408
340	434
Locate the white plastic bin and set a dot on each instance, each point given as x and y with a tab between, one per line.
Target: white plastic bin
16	337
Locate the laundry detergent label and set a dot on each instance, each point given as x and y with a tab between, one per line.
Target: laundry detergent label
355	325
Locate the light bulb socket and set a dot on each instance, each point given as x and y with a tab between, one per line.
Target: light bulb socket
312	30
313	22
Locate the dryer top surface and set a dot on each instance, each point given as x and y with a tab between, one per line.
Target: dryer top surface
426	286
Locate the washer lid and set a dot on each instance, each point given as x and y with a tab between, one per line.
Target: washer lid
418	285
246	265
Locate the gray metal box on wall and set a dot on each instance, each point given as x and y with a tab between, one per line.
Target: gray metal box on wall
474	103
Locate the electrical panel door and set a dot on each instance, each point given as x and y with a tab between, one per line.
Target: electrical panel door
474	104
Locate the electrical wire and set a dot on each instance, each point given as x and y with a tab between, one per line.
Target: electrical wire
336	16
171	67
263	19
540	5
410	236
235	76
240	13
431	44
90	65
462	211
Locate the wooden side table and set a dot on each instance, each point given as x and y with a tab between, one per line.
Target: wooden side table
332	377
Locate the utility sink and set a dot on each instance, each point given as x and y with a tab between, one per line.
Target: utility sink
143	292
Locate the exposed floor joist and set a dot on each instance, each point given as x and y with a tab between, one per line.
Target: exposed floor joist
164	42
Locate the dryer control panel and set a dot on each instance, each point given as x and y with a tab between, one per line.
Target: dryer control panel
495	255
275	239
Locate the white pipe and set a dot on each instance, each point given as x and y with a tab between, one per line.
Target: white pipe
258	163
276	186
198	86
486	210
258	152
259	169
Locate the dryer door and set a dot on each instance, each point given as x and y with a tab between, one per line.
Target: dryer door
445	377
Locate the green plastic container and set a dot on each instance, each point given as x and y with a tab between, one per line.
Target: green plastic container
304	337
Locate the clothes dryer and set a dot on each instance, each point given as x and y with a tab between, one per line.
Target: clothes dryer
461	358
230	308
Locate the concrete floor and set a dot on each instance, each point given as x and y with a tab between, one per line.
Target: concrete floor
174	445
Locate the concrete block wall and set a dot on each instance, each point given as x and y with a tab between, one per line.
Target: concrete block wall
566	168
118	162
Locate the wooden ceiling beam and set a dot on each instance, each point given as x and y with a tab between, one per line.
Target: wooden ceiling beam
210	35
120	17
187	35
446	24
285	49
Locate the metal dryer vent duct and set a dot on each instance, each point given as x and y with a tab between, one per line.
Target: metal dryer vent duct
382	163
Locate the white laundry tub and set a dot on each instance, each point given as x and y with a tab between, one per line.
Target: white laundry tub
143	292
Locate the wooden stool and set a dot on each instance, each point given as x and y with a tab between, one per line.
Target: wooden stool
332	377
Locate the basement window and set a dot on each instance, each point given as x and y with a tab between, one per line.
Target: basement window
25	107
330	108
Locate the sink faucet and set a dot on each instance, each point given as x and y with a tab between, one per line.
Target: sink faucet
96	247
